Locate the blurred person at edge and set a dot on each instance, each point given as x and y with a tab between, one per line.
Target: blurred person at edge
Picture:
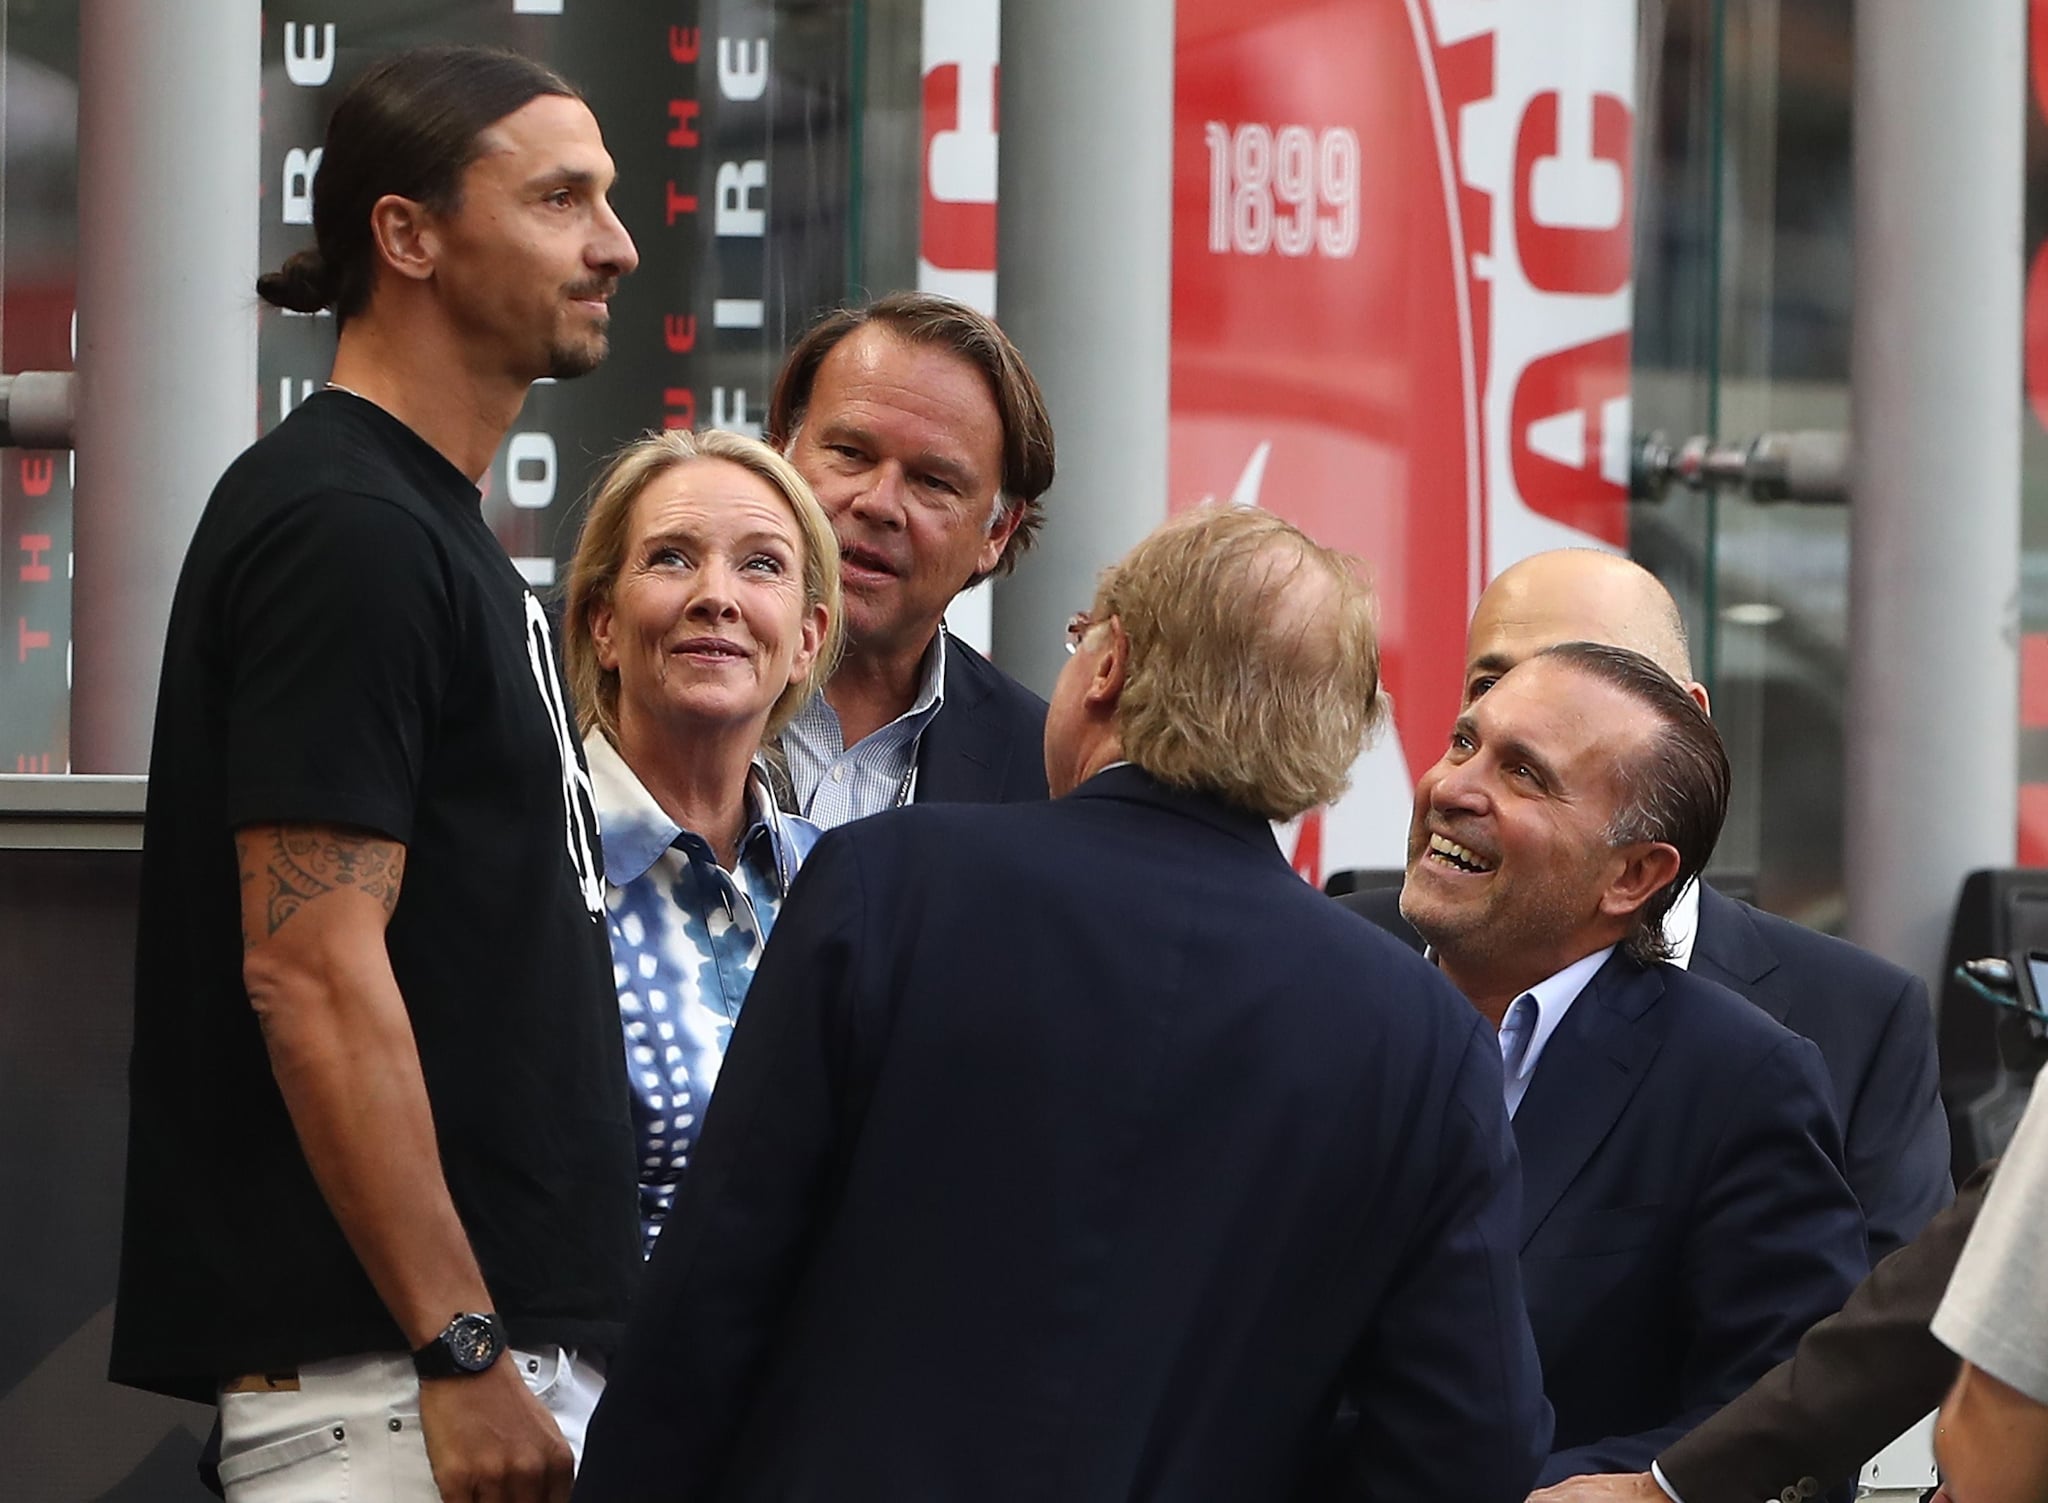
921	430
380	1195
703	608
1125	1217
1992	1439
1684	1214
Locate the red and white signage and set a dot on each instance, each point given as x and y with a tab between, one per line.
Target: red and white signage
1401	304
956	227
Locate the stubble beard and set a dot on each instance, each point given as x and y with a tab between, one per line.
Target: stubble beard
568	361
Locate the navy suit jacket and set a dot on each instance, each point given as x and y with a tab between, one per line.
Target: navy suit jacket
1078	1150
987	743
1875	1031
1684	1215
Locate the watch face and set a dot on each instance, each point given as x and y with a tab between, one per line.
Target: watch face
471	1342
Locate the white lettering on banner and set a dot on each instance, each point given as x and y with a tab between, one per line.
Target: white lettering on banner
530	471
733	210
1282	189
1549	150
312	65
579	802
536	7
738	77
300	167
736	418
737	313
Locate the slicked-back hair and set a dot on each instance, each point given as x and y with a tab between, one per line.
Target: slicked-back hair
929	321
408	126
1235	685
607	535
1674	791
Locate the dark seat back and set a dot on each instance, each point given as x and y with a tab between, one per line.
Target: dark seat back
1999	911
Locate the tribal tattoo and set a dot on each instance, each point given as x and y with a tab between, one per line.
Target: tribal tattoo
298	863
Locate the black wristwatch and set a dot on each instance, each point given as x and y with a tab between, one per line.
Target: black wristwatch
470	1344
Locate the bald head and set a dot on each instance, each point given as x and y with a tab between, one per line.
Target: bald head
1574	595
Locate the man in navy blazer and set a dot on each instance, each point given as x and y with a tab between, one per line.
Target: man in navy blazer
1870	1018
920	427
1684	1215
1078	1150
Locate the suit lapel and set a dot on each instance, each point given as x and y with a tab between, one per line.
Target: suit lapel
961	755
1731	950
1588	1073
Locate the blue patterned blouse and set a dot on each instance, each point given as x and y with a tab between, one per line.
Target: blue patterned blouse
686	937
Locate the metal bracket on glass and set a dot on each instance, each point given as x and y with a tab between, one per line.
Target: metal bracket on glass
1811	466
37	410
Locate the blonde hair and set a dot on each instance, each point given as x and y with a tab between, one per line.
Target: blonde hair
601	552
1254	670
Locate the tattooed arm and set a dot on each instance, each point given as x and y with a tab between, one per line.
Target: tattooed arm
315	901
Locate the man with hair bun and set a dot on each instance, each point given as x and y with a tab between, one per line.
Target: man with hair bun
1684	1214
1078	1149
381	1197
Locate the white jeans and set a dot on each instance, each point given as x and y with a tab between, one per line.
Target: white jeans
350	1432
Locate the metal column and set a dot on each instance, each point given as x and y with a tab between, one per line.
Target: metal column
1086	261
1934	525
168	168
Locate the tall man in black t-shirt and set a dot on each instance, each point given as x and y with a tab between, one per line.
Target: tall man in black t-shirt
377	1106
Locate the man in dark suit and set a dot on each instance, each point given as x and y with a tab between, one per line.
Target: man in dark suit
1869	1017
919	426
1077	1150
1684	1215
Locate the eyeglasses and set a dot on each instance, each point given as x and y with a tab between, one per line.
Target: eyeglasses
1078	626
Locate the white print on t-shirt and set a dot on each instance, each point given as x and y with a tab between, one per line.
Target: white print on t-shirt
579	803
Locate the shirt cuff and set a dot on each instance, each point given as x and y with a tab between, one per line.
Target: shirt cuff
1657	1473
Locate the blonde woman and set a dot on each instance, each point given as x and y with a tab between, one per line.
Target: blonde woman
703	609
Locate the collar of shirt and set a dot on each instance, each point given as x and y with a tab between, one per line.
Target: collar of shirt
1538	1011
814	745
1682	924
636	830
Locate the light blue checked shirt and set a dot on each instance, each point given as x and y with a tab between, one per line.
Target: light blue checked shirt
834	782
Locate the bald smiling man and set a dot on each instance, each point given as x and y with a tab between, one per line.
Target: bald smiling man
1869	1018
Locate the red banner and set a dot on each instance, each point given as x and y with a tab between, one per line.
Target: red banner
1401	265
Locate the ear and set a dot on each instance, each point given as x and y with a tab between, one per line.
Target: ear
402	231
1106	680
1698	691
808	644
601	635
1642	871
993	545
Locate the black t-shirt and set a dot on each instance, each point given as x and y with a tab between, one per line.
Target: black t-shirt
349	645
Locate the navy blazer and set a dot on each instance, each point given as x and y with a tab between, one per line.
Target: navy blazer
1078	1150
1875	1032
987	743
1684	1214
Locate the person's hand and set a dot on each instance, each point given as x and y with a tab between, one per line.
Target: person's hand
490	1441
1614	1487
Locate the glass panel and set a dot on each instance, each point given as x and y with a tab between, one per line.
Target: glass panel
1742	327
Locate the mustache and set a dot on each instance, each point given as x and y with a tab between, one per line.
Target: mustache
602	287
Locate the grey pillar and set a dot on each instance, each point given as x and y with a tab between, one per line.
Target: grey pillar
168	168
1934	521
1085	260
